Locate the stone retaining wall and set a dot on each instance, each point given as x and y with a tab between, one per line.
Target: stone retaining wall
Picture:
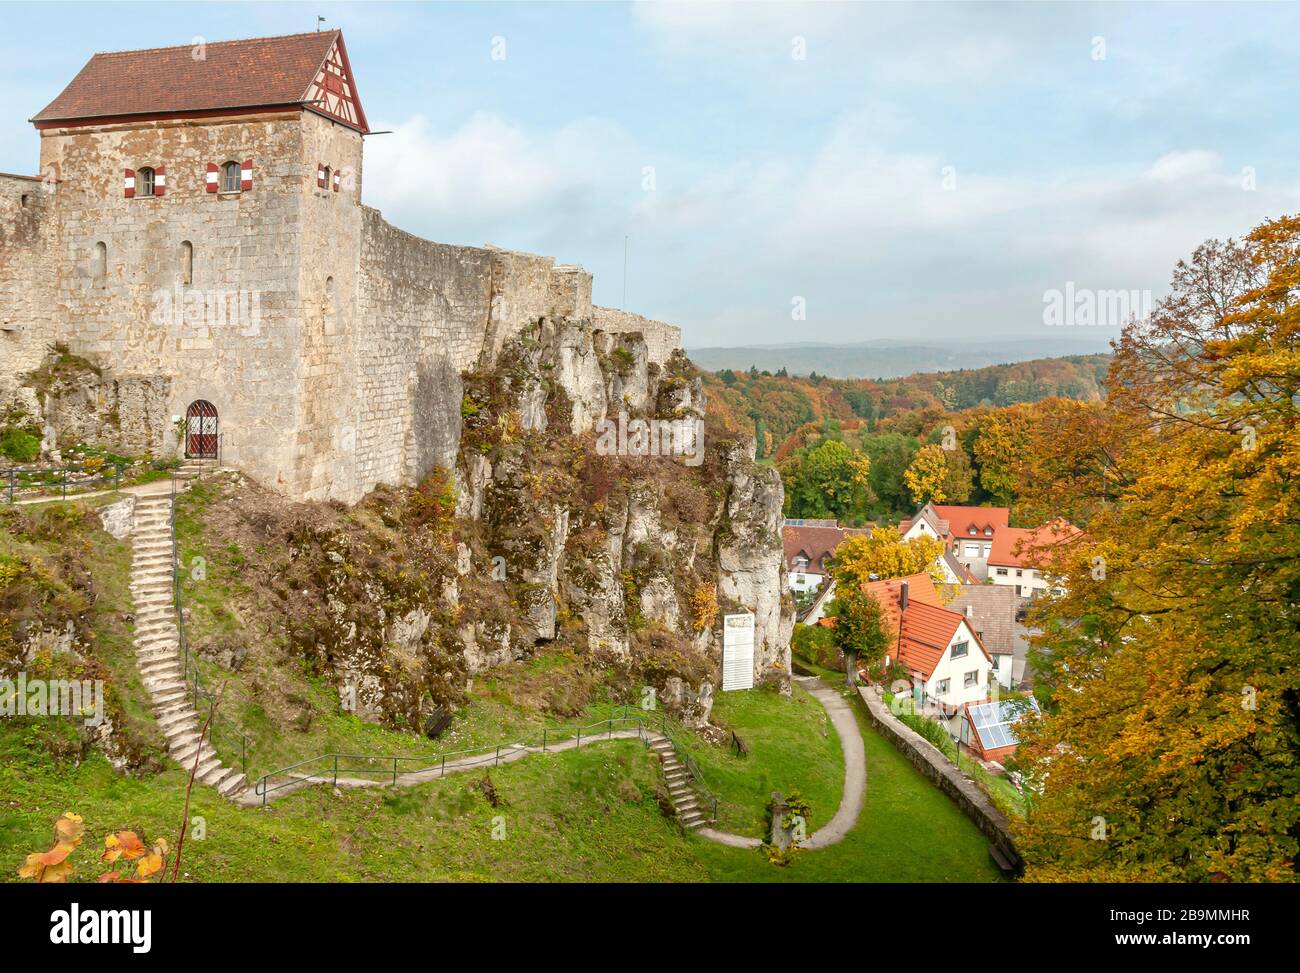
967	795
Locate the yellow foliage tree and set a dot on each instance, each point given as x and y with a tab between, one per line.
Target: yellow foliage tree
1169	748
926	476
886	555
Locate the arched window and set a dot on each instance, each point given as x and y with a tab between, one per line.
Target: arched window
144	181
100	266
24	201
230	178
187	262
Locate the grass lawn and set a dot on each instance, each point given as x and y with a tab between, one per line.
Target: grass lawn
792	748
588	815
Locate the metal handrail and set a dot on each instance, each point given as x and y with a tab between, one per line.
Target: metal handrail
490	752
13	473
693	769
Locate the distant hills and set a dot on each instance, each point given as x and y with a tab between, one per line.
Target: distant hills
887	358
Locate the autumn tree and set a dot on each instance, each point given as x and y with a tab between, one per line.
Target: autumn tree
999	448
926	477
860	559
1170	743
859	629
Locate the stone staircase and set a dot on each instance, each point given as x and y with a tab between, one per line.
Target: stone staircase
678	778
157	647
191	469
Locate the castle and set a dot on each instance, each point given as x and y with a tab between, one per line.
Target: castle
197	229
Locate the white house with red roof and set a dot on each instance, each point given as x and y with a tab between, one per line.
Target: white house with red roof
938	647
1019	557
967	534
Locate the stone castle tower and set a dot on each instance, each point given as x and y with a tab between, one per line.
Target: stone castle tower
197	228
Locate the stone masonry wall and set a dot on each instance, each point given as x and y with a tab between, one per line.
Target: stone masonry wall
425	313
329	257
331	343
661	340
26	279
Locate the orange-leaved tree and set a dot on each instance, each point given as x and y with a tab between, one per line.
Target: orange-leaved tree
1170	743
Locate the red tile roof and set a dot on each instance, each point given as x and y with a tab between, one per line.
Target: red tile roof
815	543
1019	548
927	627
962	519
257	73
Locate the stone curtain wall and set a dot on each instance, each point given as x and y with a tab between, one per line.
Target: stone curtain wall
416	301
425	313
661	340
26	278
967	795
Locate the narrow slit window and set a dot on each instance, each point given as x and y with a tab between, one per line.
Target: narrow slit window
187	262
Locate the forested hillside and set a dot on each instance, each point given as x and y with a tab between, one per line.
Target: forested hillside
773	406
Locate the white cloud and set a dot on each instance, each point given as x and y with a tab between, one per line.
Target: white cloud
490	169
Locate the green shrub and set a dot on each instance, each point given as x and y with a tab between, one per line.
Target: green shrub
19	445
928	728
816	644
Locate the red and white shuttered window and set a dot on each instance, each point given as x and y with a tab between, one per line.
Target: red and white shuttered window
338	178
322	175
145	182
230	177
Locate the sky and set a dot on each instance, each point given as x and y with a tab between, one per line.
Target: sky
781	172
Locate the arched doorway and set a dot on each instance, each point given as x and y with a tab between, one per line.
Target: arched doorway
201	430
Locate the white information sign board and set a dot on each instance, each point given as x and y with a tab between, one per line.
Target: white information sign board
738	651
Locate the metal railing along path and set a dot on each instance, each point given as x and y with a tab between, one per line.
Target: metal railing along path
21	482
335	766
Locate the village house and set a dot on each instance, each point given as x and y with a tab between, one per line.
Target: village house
967	534
809	545
1019	556
938	647
991	611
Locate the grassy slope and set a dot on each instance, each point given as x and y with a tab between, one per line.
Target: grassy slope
577	816
792	747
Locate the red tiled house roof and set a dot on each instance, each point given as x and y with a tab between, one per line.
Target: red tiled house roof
256	74
1017	547
927	627
954	522
814	543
